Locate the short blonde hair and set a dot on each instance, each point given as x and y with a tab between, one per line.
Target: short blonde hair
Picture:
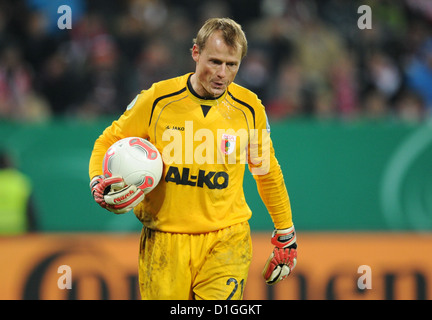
232	34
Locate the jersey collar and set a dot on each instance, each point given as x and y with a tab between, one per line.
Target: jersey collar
202	100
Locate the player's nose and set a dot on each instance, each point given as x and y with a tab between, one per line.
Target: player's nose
222	70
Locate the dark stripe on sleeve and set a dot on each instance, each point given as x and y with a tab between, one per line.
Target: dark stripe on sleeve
163	97
246	105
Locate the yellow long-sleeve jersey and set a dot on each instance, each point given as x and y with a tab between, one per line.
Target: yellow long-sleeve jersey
205	145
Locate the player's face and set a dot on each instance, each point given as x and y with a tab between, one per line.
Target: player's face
216	66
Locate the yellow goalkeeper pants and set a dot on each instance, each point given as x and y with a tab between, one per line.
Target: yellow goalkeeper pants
209	266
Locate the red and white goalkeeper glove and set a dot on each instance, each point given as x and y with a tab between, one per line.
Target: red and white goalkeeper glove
283	259
114	195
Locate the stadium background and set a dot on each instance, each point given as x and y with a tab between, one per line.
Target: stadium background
350	118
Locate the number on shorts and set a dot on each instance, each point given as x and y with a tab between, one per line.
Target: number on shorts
230	280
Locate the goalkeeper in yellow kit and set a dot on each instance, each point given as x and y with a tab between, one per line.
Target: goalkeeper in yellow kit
195	242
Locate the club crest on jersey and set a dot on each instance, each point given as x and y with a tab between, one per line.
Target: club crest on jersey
228	143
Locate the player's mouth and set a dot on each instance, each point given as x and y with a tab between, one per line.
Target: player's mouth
219	85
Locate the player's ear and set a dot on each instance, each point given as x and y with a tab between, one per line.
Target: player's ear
195	52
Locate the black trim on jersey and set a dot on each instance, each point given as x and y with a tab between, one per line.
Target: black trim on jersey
163	97
246	105
191	89
205	109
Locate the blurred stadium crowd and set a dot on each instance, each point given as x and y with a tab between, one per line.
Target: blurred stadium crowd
306	57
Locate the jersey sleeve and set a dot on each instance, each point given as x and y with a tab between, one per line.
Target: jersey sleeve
267	173
134	122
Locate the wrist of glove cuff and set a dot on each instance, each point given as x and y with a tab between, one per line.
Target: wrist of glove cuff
94	182
97	190
284	238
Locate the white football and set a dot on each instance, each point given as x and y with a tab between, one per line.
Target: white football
136	160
